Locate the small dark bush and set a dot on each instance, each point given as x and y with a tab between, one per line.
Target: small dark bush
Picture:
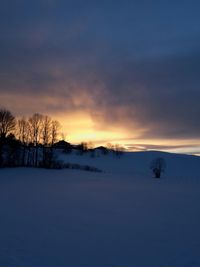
158	166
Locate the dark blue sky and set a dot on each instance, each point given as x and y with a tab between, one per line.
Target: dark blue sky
130	64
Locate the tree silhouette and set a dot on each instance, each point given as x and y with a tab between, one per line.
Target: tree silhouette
23	136
158	166
35	123
7	123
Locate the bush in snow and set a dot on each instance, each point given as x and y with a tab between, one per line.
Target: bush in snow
158	166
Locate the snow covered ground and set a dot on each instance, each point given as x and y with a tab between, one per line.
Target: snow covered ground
121	217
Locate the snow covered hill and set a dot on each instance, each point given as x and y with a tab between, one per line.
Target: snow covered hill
138	163
121	217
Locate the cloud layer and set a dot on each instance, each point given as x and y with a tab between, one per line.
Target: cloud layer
130	65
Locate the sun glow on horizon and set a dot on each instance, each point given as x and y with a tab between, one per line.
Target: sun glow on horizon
80	127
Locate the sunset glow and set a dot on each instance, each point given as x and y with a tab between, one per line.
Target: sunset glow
79	127
130	79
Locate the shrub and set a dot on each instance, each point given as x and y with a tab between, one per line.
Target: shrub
158	166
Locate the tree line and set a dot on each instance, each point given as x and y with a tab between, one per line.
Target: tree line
33	142
27	141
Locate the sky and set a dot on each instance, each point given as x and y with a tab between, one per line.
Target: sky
115	71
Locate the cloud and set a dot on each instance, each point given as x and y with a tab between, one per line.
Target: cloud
161	96
129	69
146	147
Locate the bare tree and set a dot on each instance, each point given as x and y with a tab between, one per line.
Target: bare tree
50	132
35	126
7	123
55	128
46	130
82	148
118	150
35	123
158	166
46	136
7	126
23	133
